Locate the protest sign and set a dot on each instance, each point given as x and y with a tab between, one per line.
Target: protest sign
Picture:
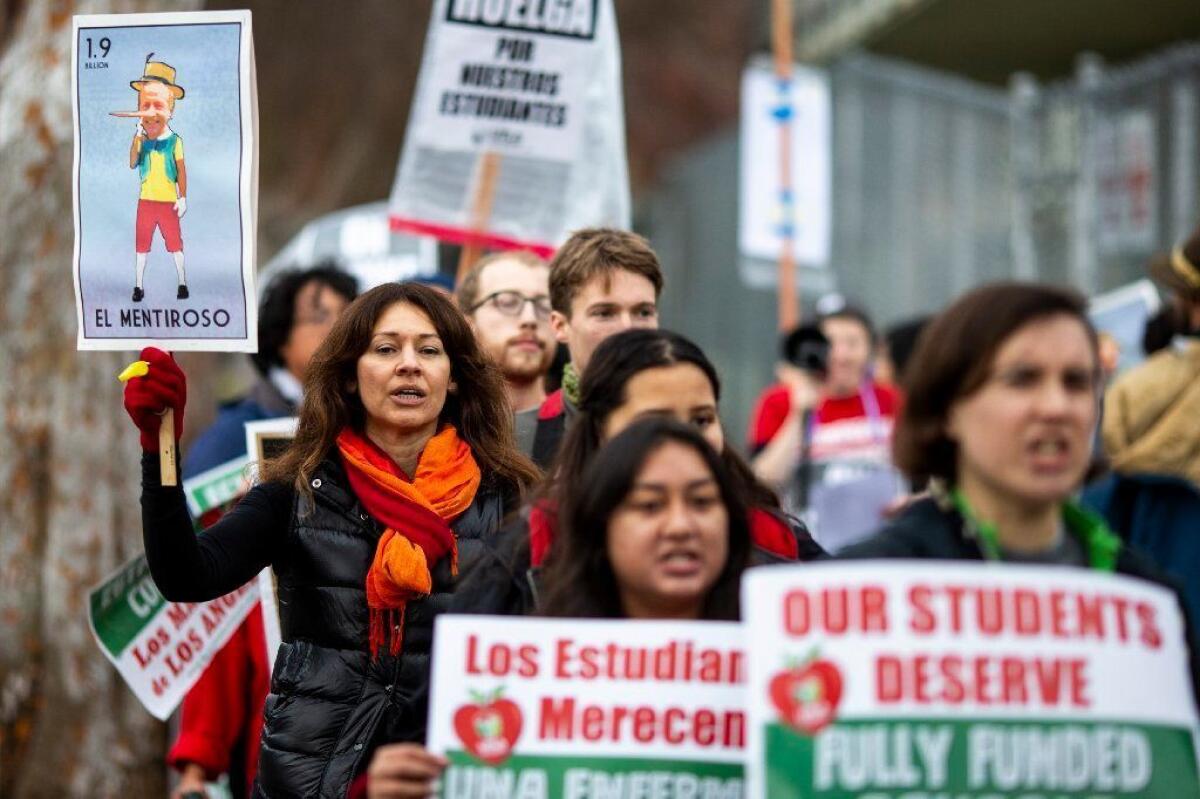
1123	314
939	679
763	214
360	240
164	181
217	486
266	439
577	708
1125	154
160	647
520	102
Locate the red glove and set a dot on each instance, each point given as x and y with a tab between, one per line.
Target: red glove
147	397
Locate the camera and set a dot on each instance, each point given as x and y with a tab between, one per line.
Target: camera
807	348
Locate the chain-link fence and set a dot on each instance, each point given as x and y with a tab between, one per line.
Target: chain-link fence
921	211
921	185
940	184
1105	169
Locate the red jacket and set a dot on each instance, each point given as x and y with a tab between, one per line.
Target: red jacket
226	705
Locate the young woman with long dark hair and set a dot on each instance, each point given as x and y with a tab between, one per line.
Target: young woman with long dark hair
644	373
654	528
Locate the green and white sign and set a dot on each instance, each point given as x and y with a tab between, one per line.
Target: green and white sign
576	709
939	680
160	647
218	486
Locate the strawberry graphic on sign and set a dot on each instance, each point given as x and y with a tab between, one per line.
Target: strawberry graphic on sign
489	727
807	693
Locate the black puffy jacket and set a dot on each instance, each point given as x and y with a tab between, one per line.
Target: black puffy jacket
330	704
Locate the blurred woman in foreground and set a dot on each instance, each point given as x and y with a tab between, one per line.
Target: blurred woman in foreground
1003	399
1003	393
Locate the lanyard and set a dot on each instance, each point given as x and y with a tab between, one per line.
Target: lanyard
1101	544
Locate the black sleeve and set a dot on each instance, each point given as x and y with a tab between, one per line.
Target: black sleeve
806	546
194	568
1136	563
501	581
1193	644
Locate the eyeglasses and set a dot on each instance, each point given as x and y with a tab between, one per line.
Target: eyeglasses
512	303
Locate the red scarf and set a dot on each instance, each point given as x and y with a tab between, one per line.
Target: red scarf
417	515
768	532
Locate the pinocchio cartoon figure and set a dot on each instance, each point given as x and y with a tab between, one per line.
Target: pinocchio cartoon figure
157	154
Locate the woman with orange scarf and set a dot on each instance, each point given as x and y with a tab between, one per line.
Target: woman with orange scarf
402	467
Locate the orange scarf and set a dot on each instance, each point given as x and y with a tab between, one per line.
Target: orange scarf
417	516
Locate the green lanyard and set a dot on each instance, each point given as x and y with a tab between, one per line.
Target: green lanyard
1102	544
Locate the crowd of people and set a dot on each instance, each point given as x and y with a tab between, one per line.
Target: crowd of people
433	473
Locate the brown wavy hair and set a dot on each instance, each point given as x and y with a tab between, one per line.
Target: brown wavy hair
953	359
479	409
599	251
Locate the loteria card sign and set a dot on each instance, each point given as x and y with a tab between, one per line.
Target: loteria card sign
165	176
569	709
885	680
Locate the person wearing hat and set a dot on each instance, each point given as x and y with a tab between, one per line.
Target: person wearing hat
1150	412
157	154
1151	438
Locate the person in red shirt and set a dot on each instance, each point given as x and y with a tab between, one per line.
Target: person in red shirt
826	426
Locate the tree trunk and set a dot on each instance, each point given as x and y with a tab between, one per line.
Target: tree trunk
69	475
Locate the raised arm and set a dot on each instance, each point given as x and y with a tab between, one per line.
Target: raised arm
190	567
776	463
187	567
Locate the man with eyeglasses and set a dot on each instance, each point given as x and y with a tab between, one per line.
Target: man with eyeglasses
506	299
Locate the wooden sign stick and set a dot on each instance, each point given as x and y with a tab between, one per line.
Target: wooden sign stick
481	211
781	45
167	472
